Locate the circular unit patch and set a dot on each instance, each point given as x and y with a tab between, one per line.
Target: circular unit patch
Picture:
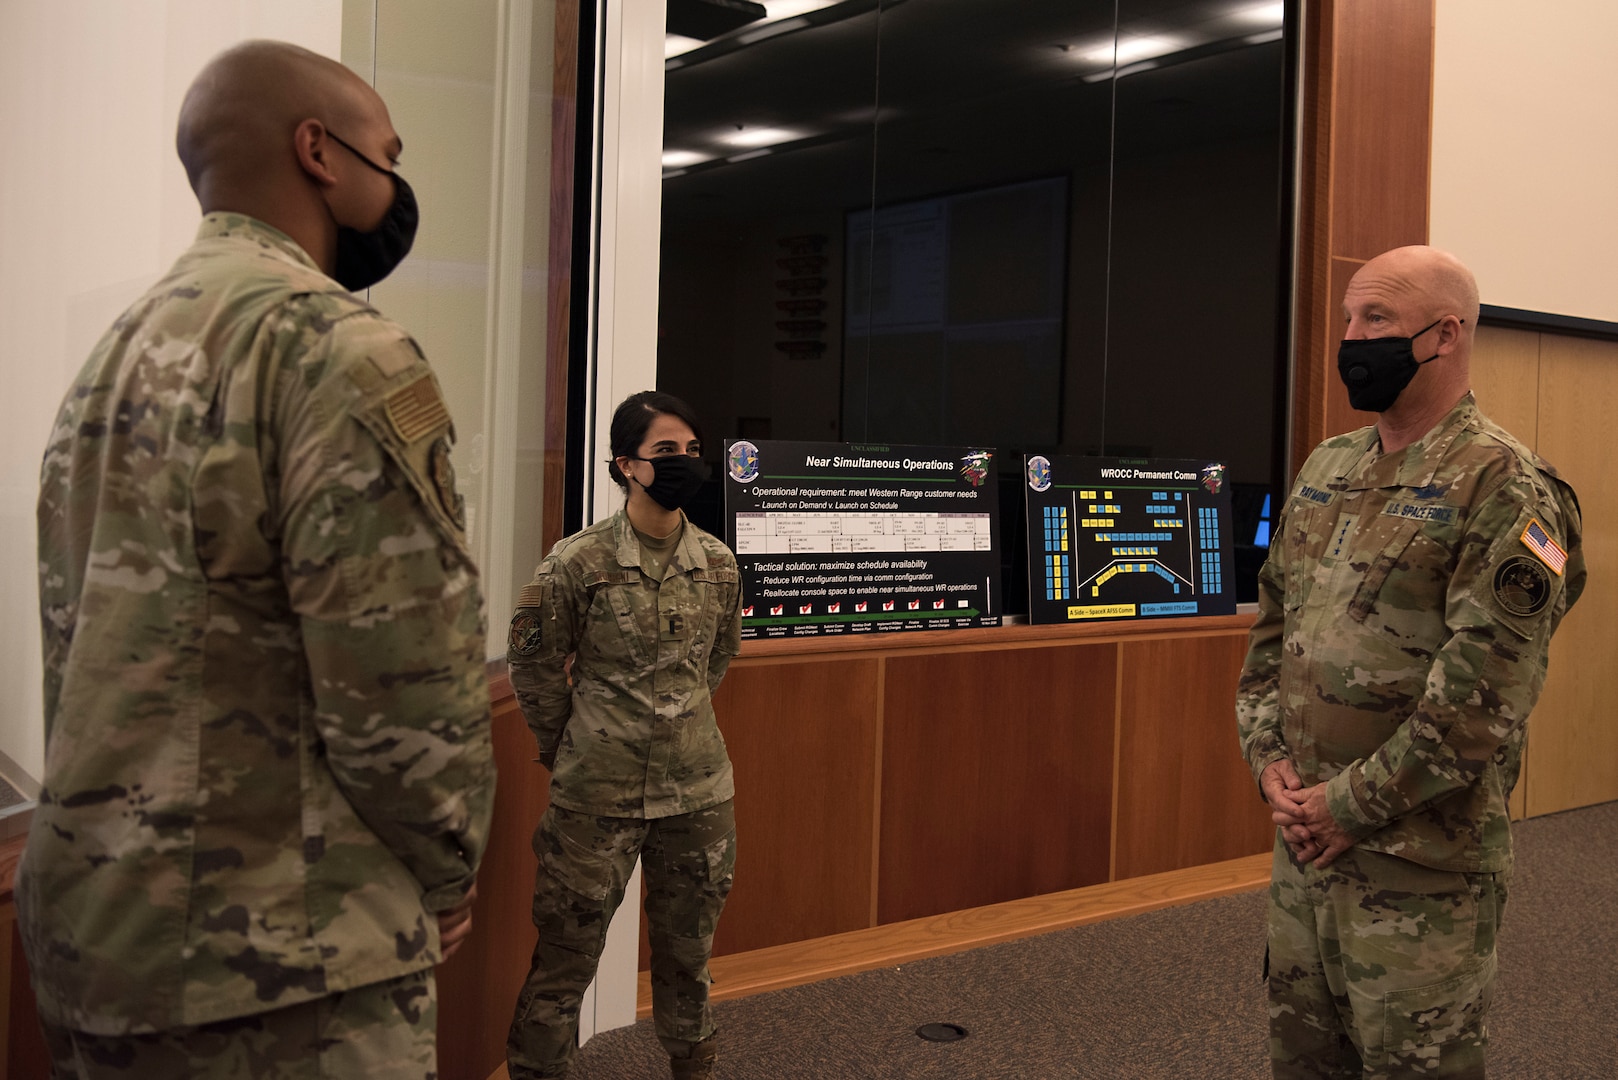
444	481
1522	585
523	639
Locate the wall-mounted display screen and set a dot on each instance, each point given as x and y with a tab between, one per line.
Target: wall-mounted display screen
832	538
1118	538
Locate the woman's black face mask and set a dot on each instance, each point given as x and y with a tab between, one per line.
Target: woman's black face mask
676	479
365	258
1376	370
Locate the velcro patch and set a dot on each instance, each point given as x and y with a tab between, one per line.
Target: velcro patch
532	595
524	638
417	410
391	361
1522	586
1421	511
1537	540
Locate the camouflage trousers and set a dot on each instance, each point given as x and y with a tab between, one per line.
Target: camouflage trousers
1380	967
584	865
383	1031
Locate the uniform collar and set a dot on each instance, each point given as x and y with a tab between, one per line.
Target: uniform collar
223	224
1416	466
688	554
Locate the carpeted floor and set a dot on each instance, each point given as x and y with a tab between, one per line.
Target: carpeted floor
1172	994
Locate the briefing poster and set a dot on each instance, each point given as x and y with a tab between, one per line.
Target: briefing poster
1121	538
840	539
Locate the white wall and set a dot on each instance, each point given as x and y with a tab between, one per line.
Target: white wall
1525	150
93	207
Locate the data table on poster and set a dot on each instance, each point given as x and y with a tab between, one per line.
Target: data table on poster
792	532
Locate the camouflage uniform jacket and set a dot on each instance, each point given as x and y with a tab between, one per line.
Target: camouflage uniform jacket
1402	634
635	735
266	709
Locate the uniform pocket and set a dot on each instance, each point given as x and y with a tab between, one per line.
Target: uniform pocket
576	866
720	857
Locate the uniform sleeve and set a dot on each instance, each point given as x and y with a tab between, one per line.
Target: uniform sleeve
1258	714
1503	603
389	606
544	632
727	639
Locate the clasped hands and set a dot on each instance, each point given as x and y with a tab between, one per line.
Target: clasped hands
1303	816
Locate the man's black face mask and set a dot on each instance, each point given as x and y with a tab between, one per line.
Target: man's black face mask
365	258
1376	370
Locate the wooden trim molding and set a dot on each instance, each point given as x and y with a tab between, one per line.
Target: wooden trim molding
795	964
1543	321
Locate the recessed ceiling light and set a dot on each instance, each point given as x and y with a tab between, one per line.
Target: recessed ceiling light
785	9
1268	14
679	159
761	136
1128	50
675	44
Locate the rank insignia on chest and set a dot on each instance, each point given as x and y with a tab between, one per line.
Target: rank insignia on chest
524	638
673	625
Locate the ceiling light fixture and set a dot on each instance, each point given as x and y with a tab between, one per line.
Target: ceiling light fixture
1129	50
679	159
675	44
763	136
785	9
1269	14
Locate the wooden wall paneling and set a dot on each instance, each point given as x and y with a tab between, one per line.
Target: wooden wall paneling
1381	125
1572	741
996	776
1368	87
1311	322
803	740
1339	414
1185	795
1505	379
477	988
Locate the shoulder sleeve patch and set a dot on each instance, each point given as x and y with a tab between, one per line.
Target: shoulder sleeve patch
417	409
1537	540
1522	586
525	636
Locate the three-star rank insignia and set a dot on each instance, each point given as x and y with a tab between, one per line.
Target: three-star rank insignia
524	638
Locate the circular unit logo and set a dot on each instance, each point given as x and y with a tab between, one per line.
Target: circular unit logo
742	462
1522	586
1039	473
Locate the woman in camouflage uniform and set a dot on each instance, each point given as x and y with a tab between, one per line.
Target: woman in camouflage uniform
643	610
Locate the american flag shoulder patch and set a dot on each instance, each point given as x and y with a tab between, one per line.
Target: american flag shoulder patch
417	409
1537	540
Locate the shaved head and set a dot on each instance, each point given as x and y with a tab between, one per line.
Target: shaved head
1433	282
237	121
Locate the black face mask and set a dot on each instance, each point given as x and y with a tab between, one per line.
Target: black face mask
365	258
1376	370
677	477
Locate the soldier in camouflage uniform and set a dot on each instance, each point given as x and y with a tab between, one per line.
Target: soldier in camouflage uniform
1418	572
645	608
268	772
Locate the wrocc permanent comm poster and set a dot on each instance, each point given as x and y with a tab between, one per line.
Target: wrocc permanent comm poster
1118	538
840	539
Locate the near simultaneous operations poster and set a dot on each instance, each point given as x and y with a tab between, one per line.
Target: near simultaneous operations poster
1121	538
833	539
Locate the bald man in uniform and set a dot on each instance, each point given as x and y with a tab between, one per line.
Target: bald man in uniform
268	772
1419	569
